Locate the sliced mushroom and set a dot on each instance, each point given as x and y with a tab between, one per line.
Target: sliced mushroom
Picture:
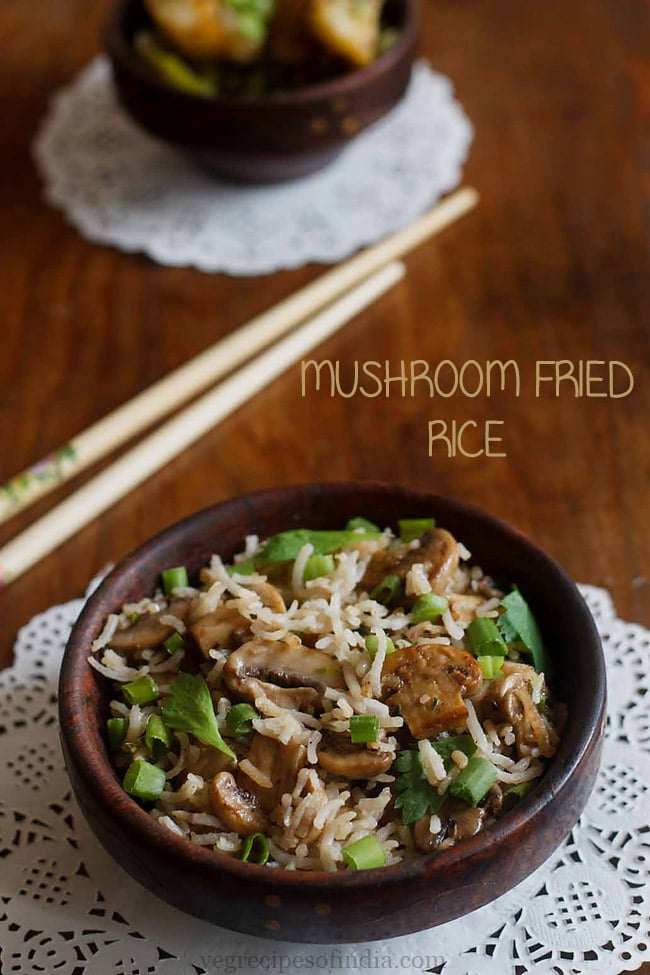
305	699
427	684
279	763
437	552
284	663
237	808
509	699
463	606
222	628
149	631
466	820
340	757
209	762
425	840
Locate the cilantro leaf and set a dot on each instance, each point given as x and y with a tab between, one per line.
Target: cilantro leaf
417	797
457	743
287	545
189	708
519	624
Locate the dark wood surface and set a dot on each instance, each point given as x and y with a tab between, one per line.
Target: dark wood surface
554	265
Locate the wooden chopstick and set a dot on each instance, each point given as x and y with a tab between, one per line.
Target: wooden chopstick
186	382
146	458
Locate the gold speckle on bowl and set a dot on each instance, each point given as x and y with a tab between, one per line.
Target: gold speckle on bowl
350	125
272	900
272	925
319	125
323	909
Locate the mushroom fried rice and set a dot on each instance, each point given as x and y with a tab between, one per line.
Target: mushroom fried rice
332	700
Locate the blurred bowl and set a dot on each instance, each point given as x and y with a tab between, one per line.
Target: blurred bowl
346	906
266	138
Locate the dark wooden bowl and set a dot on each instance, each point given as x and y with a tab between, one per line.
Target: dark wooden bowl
268	138
323	907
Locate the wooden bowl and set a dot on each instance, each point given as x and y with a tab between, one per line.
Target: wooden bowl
267	138
355	906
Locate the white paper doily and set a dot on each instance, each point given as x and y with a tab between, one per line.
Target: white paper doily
66	908
119	186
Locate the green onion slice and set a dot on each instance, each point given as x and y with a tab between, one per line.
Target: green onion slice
173	643
318	566
490	666
355	524
144	781
175	578
365	854
412	528
474	781
255	849
240	719
116	732
156	737
387	591
484	639
515	793
143	690
372	645
429	608
364	728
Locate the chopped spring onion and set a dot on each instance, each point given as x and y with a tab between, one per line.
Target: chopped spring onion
490	666
144	781
429	608
355	524
515	793
484	639
472	782
171	68
255	849
372	645
318	566
412	528
175	578
365	854
364	728
116	731
157	737
142	690
457	743
387	591
173	643
240	719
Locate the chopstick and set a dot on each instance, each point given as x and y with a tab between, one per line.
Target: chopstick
158	448
186	382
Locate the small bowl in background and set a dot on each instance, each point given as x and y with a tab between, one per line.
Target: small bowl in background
345	906
266	138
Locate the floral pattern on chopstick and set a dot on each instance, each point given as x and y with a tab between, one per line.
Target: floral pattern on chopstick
51	469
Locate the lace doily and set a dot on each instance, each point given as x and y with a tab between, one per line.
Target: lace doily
119	186
66	908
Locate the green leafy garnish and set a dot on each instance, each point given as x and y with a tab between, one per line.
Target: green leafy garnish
518	625
189	708
457	743
286	546
417	797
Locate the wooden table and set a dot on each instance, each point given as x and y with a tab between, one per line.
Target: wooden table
554	265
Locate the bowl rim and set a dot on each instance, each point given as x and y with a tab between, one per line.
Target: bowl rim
99	776
121	53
